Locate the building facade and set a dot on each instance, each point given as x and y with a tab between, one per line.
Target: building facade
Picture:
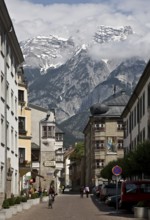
24	136
104	136
10	59
136	115
47	148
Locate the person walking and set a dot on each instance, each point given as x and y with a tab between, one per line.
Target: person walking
87	190
81	191
51	194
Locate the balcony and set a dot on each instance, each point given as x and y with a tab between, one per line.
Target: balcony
22	132
24	163
24	167
22	103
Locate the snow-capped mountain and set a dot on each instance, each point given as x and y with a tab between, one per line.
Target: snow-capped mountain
63	75
46	52
107	34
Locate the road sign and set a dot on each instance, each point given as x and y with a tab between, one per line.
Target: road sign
116	170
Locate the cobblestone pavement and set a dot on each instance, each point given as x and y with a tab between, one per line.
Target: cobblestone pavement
72	207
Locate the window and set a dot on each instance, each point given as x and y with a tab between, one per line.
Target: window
21	155
7	93
2	85
1	178
119	126
138	112
21	96
141	113
16	142
101	163
59	137
100	126
135	116
120	144
2	130
12	100
145	188
132	120
22	125
48	132
143	103
127	127
15	106
97	163
131	188
97	144
8	138
12	138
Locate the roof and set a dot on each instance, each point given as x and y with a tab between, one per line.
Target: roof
37	107
58	130
115	105
118	99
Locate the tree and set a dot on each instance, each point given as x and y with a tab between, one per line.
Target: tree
78	153
135	163
142	157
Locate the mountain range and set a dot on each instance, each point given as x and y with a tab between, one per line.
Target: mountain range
63	75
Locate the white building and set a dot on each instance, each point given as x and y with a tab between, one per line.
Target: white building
136	114
10	58
47	148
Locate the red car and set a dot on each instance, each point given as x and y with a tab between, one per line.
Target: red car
134	191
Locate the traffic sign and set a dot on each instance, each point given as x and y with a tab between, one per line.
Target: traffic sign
116	170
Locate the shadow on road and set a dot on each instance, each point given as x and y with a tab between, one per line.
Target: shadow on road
110	211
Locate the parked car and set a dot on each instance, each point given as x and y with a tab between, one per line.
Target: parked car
109	190
96	190
134	191
111	200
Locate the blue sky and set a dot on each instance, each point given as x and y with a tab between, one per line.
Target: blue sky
81	18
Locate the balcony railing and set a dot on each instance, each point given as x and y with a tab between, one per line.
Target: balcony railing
24	163
22	131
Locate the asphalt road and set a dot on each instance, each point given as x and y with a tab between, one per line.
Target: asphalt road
72	207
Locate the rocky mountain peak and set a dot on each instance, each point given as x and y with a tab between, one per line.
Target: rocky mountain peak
107	34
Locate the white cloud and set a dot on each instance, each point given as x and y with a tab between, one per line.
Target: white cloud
81	20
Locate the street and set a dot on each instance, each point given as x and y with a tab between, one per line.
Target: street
72	207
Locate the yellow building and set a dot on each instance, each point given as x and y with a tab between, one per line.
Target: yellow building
24	131
103	136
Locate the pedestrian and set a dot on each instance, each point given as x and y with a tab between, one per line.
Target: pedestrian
81	191
63	188
51	192
87	190
40	191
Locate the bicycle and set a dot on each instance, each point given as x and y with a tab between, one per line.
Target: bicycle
51	200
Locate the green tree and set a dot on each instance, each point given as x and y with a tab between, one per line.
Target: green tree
142	158
134	163
78	152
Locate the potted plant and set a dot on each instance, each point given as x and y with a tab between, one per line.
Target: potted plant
141	210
